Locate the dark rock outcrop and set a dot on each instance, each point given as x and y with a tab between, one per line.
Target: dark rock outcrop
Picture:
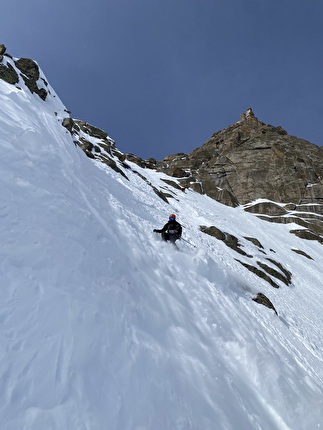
2	51
27	69
300	252
99	146
104	147
263	300
8	74
230	240
94	142
30	74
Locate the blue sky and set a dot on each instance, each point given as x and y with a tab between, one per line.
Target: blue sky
161	76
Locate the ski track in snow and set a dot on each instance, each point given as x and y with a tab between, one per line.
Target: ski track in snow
104	326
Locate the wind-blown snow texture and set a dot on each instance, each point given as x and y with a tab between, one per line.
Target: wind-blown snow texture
103	326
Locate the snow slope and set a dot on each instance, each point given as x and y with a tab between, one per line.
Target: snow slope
105	327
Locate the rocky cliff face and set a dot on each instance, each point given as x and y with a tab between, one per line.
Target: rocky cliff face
251	160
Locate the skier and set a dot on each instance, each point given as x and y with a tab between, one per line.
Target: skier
171	231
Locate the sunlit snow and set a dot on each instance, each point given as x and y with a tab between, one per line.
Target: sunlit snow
105	327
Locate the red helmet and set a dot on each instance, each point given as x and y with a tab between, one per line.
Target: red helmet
172	217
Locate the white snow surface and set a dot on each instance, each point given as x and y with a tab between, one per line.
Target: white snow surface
105	327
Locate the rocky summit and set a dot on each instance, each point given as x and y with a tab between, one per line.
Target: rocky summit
252	160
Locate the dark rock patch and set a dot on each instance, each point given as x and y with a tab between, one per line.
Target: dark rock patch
287	273
263	300
159	193
30	74
268	208
308	235
259	273
172	184
298	251
8	74
274	273
230	240
255	242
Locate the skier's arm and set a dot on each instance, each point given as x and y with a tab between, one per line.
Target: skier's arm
179	230
161	230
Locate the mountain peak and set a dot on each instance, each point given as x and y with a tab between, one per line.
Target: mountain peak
250	160
248	115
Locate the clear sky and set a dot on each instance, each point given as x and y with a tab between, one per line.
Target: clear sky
161	76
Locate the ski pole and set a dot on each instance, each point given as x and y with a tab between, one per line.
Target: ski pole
188	242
